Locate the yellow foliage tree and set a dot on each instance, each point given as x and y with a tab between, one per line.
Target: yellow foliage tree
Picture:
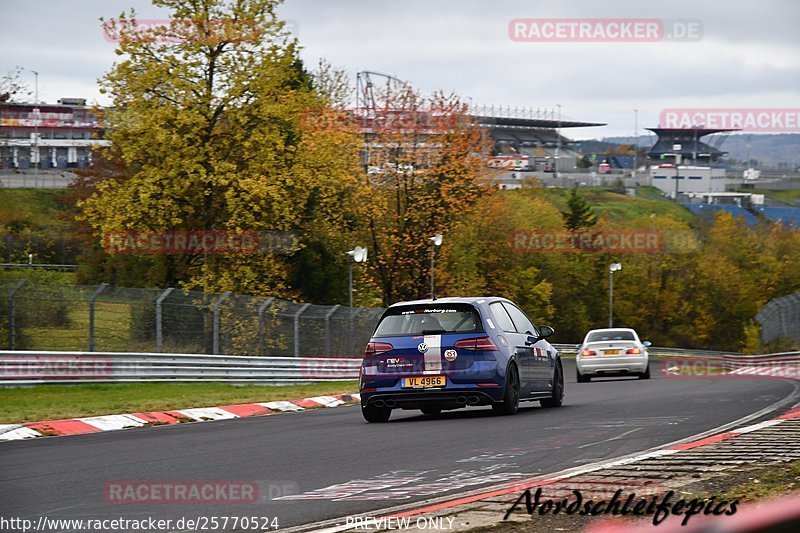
220	128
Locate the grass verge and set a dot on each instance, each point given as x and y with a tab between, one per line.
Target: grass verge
54	402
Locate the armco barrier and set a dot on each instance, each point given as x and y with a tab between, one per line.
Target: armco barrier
775	365
655	351
23	368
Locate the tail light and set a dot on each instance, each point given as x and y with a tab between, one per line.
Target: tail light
377	348
481	343
634	351
586	353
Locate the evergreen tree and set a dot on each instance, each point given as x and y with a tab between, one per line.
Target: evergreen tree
579	213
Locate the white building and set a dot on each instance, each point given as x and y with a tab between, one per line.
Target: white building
689	179
48	136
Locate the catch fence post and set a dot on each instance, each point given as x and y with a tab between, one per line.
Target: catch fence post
215	332
159	318
297	329
92	300
328	315
12	326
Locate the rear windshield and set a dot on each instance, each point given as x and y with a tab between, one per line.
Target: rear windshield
610	335
429	320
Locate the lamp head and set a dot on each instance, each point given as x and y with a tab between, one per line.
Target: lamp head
358	254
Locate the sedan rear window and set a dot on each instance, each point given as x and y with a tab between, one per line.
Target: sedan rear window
610	335
429	320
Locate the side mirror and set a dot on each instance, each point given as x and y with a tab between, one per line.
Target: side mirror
647	343
546	331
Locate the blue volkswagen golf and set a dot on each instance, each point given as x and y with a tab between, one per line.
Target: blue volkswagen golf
449	353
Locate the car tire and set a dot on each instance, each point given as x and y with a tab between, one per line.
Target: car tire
431	410
557	397
582	378
510	403
646	373
376	414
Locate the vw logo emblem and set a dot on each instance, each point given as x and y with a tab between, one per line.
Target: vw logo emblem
422	347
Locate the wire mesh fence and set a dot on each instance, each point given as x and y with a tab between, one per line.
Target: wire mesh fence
780	319
39	316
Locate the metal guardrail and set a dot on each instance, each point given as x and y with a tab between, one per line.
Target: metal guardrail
36	266
655	351
774	365
25	368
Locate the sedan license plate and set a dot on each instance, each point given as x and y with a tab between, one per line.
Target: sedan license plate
425	381
611	352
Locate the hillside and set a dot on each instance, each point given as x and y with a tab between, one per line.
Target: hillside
32	221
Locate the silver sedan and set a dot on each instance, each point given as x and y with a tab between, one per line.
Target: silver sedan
612	351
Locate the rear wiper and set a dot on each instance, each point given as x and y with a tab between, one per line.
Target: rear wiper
433	331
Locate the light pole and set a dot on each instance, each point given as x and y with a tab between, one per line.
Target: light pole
613	268
436	240
36	123
676	148
359	255
558	141
636	146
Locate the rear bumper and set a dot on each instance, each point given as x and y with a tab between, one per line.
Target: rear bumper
597	365
442	398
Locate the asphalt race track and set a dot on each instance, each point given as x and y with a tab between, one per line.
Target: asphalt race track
411	458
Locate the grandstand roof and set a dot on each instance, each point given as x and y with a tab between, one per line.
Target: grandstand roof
533	122
688	131
689	139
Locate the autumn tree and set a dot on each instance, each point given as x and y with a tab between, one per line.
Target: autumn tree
12	88
219	127
487	252
425	166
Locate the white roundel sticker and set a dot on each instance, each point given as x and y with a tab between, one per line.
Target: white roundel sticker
450	355
422	347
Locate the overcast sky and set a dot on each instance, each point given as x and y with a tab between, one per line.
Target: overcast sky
748	55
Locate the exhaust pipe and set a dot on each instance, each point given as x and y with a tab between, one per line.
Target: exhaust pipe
472	400
461	400
378	403
390	403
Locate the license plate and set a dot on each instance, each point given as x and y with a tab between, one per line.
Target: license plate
611	352
425	381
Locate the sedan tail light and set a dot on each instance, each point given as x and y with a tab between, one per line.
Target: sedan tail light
634	351
481	343
586	353
377	348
